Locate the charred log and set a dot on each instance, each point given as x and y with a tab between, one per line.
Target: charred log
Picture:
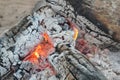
86	8
67	62
74	63
84	14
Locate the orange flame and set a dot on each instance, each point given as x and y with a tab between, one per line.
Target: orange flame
41	50
75	33
74	27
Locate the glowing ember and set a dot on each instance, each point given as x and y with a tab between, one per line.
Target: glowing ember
39	55
41	51
74	27
82	46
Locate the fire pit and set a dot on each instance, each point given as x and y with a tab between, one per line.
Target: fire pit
51	44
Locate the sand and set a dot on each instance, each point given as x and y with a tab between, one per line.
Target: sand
12	11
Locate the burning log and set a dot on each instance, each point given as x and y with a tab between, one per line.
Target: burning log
27	64
92	22
42	47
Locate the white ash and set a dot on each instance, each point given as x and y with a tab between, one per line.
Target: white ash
107	63
55	31
27	39
18	75
2	70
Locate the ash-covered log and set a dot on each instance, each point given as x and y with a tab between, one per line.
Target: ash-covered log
70	64
42	46
94	21
20	60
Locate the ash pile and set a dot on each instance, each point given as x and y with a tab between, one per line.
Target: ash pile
51	44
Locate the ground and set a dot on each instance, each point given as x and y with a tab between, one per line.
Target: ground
108	11
12	11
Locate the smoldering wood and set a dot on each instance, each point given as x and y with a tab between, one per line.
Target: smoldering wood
81	11
73	64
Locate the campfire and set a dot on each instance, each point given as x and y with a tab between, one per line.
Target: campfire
39	55
41	50
46	47
49	45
